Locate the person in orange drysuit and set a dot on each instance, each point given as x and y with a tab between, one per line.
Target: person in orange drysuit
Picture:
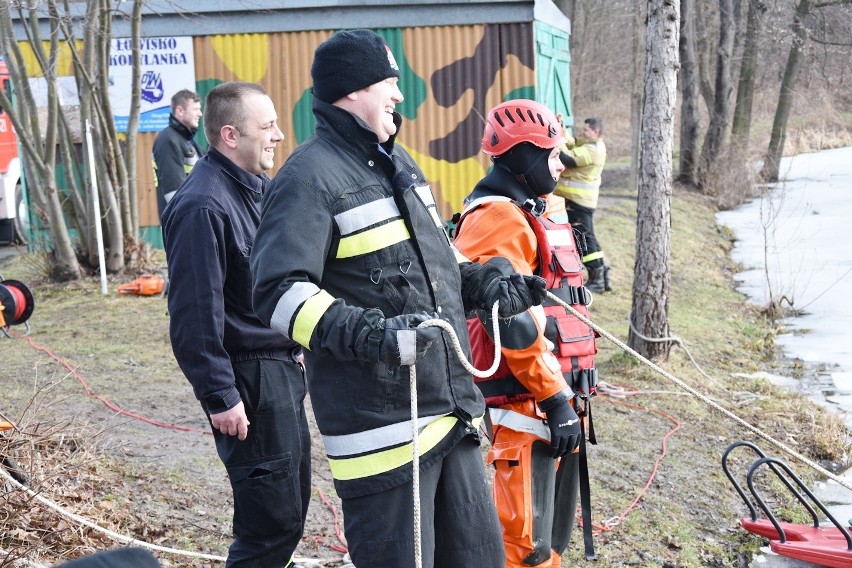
548	354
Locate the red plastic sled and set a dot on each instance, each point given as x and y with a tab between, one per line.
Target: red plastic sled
826	545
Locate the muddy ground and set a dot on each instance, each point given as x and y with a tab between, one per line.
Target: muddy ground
89	354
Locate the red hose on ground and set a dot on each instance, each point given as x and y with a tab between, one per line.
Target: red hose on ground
612	522
103	399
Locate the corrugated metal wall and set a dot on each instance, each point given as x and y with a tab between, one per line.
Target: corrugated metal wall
450	76
145	179
466	71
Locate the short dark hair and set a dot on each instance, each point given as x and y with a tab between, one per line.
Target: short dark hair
223	106
183	97
595	124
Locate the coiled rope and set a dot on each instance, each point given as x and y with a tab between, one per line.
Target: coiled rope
415	428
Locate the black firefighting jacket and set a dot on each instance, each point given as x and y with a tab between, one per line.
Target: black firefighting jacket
346	226
175	152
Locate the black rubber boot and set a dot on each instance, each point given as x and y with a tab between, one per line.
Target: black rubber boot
596	280
607	285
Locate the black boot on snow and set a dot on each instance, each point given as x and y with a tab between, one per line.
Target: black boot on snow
595	282
607	285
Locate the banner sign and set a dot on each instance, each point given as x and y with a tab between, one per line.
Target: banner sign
166	64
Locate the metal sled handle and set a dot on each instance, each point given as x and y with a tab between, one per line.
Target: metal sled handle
772	461
786	482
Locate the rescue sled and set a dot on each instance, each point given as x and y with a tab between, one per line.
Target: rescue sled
829	545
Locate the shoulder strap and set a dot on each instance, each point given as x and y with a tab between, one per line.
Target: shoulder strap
473	205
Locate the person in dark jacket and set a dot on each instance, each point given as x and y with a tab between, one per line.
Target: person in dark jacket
350	258
249	378
175	149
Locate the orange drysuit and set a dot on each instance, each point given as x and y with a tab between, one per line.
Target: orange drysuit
536	507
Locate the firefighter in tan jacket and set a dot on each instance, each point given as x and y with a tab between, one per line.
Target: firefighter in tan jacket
579	185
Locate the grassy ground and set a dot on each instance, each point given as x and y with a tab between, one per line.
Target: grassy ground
166	486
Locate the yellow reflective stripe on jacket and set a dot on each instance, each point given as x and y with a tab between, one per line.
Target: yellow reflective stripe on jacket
341	446
383	461
346	469
309	315
585	197
374	239
370	227
582	186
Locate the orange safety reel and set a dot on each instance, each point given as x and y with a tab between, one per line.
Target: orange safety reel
16	302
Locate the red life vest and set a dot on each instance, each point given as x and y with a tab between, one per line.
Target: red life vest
574	341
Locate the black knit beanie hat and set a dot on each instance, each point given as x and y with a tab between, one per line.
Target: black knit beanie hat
349	61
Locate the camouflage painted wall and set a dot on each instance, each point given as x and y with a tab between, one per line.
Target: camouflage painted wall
450	76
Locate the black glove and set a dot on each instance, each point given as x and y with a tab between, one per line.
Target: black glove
564	427
497	280
517	293
394	341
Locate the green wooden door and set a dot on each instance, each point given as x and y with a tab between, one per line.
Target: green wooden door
553	70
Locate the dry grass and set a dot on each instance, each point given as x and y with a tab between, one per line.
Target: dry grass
61	460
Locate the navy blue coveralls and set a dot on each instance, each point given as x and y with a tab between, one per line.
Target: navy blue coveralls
228	355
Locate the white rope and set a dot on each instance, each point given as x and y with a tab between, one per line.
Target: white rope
112	534
672	339
844	482
415	433
415	449
415	428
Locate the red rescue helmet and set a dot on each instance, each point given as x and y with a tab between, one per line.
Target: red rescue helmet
520	120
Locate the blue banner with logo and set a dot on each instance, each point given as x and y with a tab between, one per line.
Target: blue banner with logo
167	65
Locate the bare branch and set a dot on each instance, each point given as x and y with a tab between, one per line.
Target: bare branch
814	39
830	3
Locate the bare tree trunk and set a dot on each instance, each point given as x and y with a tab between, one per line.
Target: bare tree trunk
92	85
86	88
741	129
636	99
690	117
131	224
651	278
112	170
703	52
75	194
714	141
772	160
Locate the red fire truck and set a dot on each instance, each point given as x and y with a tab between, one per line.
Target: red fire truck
12	206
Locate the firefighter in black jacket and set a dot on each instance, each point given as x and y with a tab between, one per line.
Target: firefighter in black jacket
350	257
175	149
